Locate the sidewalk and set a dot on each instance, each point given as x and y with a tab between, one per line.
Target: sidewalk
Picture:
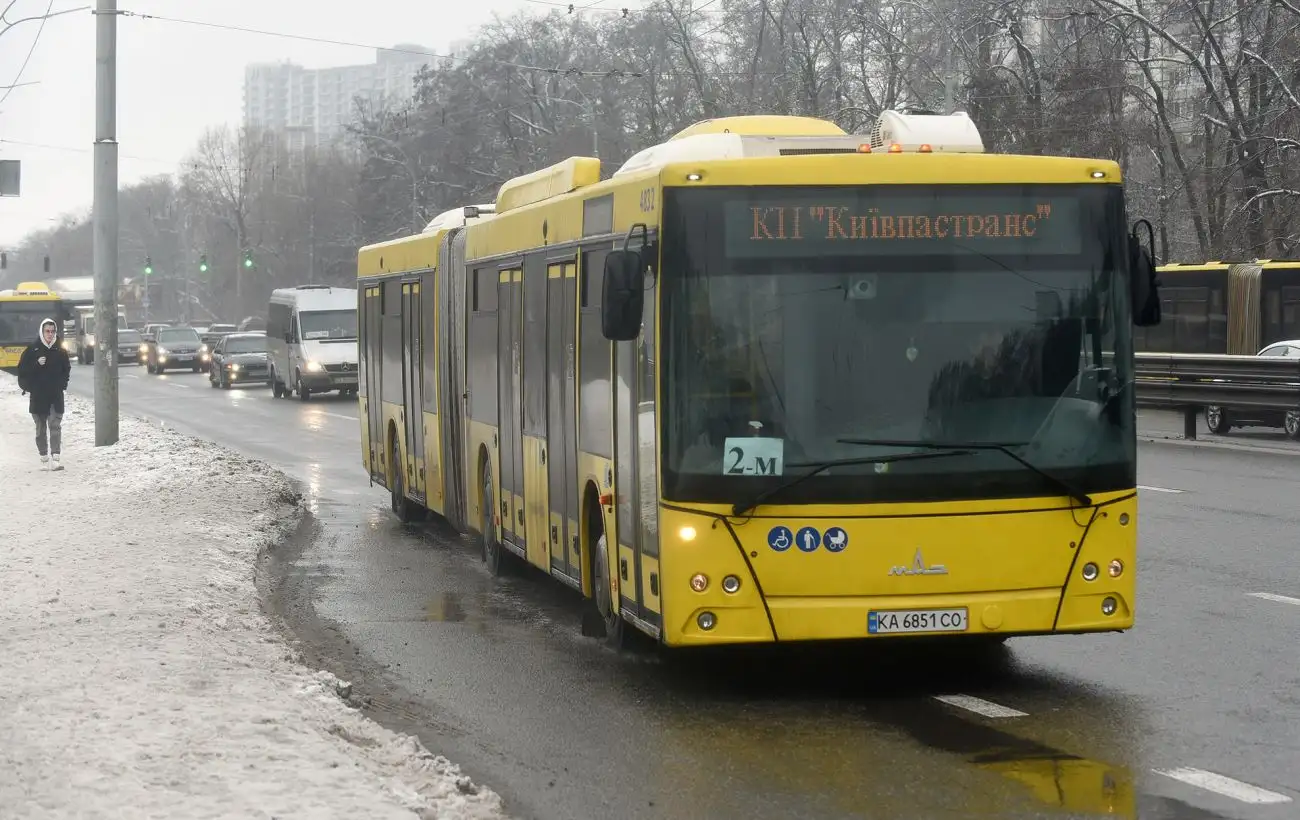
138	675
1166	427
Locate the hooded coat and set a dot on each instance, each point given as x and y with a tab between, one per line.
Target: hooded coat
43	372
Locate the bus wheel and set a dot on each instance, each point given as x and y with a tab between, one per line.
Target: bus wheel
404	508
494	555
614	628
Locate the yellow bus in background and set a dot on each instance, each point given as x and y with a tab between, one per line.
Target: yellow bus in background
774	382
21	312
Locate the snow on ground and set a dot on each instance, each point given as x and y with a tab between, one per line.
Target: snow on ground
138	675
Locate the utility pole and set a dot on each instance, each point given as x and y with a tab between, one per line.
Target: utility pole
105	216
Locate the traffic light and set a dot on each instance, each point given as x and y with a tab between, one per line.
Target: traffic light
47	264
248	259
203	263
4	261
148	266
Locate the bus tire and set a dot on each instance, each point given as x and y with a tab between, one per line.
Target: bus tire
495	556
601	619
406	510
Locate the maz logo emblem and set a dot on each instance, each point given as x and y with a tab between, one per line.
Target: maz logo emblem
919	568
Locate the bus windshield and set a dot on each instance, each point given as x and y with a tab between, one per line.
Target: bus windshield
805	327
20	322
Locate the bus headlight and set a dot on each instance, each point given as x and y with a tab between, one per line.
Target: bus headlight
314	367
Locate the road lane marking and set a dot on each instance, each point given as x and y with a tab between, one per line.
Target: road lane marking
1277	599
338	416
980	706
1225	786
1160	489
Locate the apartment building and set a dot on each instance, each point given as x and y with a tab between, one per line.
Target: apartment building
313	106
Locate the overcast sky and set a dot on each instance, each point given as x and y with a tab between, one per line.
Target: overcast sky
176	79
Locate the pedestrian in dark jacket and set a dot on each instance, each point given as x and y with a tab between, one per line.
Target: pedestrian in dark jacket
43	372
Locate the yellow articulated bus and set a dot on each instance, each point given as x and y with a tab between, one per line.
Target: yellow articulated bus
773	382
21	312
1225	307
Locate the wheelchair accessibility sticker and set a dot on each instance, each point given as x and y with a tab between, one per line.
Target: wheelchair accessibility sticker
780	538
808	539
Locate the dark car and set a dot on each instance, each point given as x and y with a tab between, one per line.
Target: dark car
240	358
130	347
174	348
216	333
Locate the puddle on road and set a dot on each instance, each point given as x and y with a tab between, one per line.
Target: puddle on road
445	607
1055	778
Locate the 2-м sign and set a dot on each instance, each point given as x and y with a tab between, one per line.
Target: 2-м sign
753	456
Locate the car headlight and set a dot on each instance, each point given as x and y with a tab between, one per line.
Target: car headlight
144	348
314	367
233	366
203	348
162	351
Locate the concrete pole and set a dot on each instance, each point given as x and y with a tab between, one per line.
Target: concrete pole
105	218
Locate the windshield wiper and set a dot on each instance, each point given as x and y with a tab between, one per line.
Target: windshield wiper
1065	487
742	507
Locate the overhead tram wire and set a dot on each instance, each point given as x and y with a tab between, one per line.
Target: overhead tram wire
572	72
622	10
555	70
35	41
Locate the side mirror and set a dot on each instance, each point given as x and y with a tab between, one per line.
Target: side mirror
1144	286
623	296
288	337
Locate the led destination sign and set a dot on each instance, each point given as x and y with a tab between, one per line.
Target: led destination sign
871	223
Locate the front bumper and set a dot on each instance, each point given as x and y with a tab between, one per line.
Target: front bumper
327	380
246	376
179	360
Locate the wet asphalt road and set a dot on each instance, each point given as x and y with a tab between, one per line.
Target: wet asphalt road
496	674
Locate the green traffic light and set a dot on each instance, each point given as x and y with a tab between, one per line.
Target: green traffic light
148	270
203	266
248	262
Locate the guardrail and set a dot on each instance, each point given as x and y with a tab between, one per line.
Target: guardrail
1190	381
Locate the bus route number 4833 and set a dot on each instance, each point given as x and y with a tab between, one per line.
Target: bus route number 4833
753	456
885	622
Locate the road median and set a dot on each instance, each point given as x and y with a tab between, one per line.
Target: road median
142	677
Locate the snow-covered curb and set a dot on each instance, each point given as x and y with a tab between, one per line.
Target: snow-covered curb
138	675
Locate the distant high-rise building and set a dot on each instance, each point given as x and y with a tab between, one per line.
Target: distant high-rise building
310	106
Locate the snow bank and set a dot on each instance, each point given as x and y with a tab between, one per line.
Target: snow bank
138	676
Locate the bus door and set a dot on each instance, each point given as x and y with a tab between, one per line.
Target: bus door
372	354
636	478
561	455
509	409
413	386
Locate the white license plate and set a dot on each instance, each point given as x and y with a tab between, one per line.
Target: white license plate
893	621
